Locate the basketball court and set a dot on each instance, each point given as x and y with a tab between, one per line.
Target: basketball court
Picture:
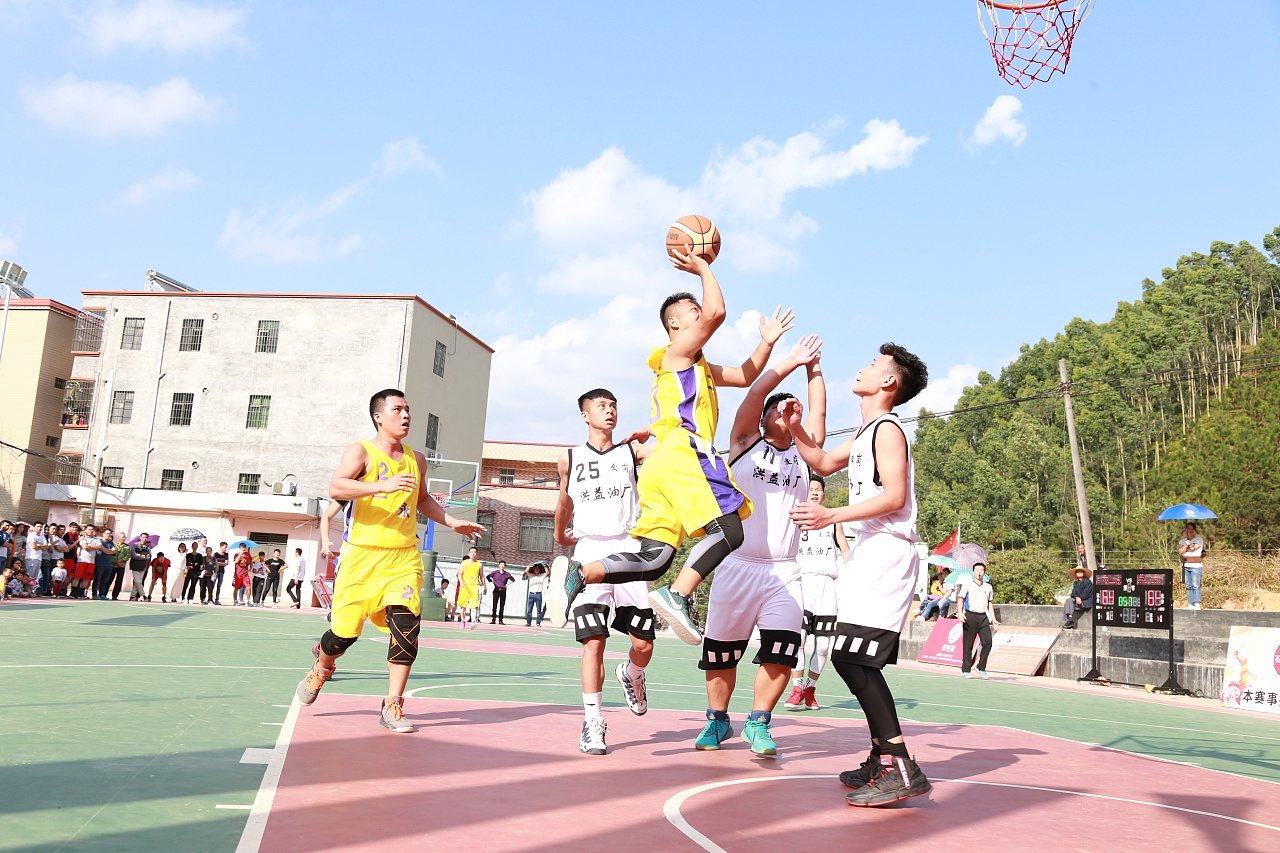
176	728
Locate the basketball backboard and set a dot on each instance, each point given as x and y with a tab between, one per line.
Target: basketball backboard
458	479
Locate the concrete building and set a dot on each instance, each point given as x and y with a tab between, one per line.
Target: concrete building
519	487
34	369
231	410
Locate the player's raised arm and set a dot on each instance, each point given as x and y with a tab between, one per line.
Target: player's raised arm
891	462
689	341
770	331
823	462
746	423
564	504
816	423
428	506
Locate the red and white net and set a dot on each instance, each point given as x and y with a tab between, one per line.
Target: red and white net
1031	41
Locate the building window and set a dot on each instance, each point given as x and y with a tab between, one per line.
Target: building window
180	411
77	403
248	485
268	336
50	441
192	335
87	336
442	352
433	431
66	471
131	338
486	520
506	476
259	411
546	481
535	533
112	476
121	407
59	383
171	479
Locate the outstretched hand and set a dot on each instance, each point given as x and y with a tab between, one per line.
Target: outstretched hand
776	326
812	516
690	262
468	529
807	350
791	411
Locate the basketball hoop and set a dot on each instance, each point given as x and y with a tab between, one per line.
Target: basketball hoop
1031	41
443	500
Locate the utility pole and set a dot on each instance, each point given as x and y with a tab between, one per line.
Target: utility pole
1082	502
97	482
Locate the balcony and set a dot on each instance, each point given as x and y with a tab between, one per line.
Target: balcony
87	337
77	404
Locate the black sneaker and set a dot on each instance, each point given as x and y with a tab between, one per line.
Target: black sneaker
869	770
899	779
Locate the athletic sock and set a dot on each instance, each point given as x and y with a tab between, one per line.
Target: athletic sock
806	683
894	749
799	682
634	672
762	716
591	702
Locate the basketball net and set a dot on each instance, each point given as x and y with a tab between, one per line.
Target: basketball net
1031	41
443	500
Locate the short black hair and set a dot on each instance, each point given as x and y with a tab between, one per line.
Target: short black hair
672	300
818	478
595	394
911	372
376	401
774	400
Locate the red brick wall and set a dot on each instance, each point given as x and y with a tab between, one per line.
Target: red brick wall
511	502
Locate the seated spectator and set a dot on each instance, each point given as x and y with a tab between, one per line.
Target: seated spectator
941	596
6	577
1080	598
449	603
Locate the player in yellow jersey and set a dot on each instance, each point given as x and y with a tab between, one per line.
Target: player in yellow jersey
470	586
686	489
381	575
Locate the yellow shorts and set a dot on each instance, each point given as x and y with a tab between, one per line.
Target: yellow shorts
371	580
467	597
683	485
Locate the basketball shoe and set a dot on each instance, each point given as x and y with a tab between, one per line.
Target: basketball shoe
392	716
677	611
811	698
633	689
309	686
714	733
796	700
756	733
591	741
899	779
563	586
869	770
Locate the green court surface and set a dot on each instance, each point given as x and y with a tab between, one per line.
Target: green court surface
125	725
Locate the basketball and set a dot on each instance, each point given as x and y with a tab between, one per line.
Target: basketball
697	232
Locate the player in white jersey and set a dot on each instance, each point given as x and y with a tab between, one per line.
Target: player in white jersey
596	509
758	584
877	582
821	554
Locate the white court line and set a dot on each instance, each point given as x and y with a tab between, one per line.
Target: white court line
85	624
671	808
271	724
233	807
251	838
255	755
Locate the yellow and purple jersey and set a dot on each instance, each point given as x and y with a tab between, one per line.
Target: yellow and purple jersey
683	399
385	520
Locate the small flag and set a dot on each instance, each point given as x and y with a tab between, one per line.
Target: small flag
947	544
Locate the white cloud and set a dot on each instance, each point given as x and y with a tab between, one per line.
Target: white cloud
941	394
166	24
110	109
289	232
8	246
172	179
1000	123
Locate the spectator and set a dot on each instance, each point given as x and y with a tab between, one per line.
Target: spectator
220	562
207	569
15	579
52	557
139	556
159	574
941	593
6	542
240	580
6	578
193	562
499	578
450	604
978	614
1191	548
275	565
258	571
1081	558
19	548
37	545
87	548
1080	599
102	564
119	565
299	578
537	578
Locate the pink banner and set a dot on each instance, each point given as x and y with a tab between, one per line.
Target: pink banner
943	645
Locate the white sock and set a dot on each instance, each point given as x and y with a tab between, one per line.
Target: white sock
635	673
807	683
799	682
591	702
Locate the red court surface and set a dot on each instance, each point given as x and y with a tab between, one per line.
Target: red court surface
506	776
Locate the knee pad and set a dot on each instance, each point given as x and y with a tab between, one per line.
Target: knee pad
730	526
657	555
404	625
781	647
724	535
333	645
854	675
721	654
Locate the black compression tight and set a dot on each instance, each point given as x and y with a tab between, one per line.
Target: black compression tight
868	686
649	564
724	536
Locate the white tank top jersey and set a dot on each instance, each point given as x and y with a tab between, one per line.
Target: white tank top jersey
864	482
776	481
602	487
819	554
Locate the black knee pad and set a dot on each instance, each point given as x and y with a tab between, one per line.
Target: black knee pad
724	535
657	555
730	526
778	647
333	645
404	626
721	654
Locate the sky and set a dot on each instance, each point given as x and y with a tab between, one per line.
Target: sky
517	164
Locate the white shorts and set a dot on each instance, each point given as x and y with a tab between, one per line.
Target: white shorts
629	601
875	592
818	595
749	594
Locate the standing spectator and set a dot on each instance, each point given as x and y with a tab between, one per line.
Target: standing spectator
87	548
37	545
275	565
537	578
240	581
6	542
259	573
19	549
194	562
159	575
299	578
1191	549
54	556
139	556
119	565
1080	599
978	614
207	569
220	562
499	578
102	564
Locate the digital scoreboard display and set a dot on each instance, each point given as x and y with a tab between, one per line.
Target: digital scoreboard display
1133	598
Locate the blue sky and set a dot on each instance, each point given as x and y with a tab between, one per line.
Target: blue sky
517	164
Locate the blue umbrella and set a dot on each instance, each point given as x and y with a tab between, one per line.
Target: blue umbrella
248	543
1183	512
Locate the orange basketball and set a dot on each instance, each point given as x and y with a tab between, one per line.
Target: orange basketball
695	234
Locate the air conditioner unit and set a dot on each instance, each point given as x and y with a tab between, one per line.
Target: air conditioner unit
284	487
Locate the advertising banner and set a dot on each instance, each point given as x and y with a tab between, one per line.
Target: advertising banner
1251	677
943	645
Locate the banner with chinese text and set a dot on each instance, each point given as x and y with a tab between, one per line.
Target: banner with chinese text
1251	677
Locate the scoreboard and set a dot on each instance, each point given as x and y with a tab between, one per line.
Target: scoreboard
1134	598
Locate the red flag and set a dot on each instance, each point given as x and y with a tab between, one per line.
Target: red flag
947	544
